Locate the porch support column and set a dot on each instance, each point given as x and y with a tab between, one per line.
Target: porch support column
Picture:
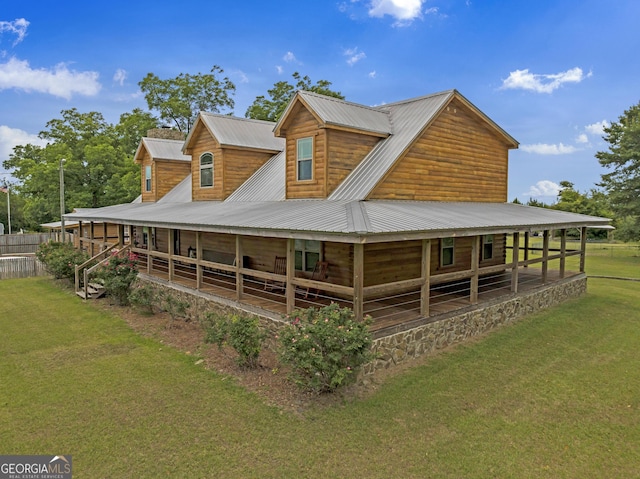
239	266
526	248
121	235
563	251
79	235
583	247
545	256
514	262
198	256
104	235
149	250
170	240
291	270
475	262
91	238
425	275
358	281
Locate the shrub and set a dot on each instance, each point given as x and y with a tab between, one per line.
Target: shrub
241	332
60	259
117	275
144	297
325	347
174	306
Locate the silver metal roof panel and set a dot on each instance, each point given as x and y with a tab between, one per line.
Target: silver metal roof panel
266	184
181	193
161	149
241	132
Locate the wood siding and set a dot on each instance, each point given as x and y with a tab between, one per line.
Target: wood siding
345	151
147	161
458	158
168	174
239	165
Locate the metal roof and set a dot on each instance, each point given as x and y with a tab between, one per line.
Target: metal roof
161	149
266	184
342	220
240	132
409	119
334	111
181	193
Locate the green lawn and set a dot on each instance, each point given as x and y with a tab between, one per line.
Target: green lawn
555	396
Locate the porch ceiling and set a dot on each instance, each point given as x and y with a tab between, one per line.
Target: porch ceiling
345	221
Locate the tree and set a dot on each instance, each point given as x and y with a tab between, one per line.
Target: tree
280	95
180	99
623	159
594	203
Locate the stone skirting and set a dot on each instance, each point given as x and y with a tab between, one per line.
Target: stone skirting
458	326
441	331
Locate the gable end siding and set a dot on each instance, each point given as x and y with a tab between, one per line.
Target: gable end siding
346	150
458	158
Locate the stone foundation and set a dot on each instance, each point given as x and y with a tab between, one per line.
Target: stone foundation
440	332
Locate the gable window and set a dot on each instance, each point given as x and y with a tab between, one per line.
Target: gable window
308	253
304	159
446	251
147	178
487	247
206	170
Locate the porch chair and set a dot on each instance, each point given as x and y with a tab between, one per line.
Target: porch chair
279	267
319	274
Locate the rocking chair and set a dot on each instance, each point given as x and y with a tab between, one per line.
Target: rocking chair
279	267
319	274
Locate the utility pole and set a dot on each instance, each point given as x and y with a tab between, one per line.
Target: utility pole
64	238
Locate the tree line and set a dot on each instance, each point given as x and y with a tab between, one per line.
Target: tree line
99	168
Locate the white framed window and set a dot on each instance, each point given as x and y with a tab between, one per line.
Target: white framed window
304	159
447	247
206	170
487	247
308	253
147	178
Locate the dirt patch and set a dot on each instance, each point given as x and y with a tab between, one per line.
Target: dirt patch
269	380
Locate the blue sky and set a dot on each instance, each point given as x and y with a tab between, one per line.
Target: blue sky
551	73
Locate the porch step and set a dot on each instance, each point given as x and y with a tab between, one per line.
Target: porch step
94	290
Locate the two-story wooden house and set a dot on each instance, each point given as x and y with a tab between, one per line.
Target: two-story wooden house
398	211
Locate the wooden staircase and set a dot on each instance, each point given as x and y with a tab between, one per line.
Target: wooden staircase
93	291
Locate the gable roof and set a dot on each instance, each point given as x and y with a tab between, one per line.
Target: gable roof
339	113
161	149
231	131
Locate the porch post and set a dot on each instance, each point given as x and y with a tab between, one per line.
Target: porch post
583	247
545	256
425	275
526	249
91	238
170	240
563	251
80	235
104	234
239	266
291	270
198	256
358	280
149	250
121	235
515	261
475	262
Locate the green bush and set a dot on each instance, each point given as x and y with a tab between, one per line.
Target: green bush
144	297
60	259
241	332
117	275
325	347
174	306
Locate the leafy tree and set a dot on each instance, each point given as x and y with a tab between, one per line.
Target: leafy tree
280	95
594	203
623	159
180	99
534	202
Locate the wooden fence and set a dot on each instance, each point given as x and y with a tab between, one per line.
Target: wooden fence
21	244
12	267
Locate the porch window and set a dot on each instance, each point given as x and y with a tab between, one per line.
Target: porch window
446	251
147	178
176	242
308	253
145	236
206	170
305	159
487	247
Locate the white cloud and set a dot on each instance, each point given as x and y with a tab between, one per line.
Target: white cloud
547	83
120	76
289	57
59	81
279	69
597	128
543	188
354	56
372	74
10	137
17	27
242	76
546	149
582	138
404	11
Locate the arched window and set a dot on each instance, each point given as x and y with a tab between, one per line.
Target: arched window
206	170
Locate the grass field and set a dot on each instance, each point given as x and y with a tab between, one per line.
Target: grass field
556	395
